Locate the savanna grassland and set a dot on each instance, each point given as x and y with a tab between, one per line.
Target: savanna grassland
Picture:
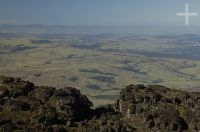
100	64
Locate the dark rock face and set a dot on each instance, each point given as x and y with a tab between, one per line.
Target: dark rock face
29	107
25	107
16	86
42	93
159	108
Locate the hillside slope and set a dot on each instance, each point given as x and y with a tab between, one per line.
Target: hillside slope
26	107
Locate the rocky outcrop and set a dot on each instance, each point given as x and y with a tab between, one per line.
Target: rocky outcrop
26	107
159	108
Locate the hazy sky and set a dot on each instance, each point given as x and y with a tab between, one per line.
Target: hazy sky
97	12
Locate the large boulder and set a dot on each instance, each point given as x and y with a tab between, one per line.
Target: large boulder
42	93
71	102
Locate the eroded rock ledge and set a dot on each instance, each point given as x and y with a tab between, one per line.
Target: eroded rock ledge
26	107
159	108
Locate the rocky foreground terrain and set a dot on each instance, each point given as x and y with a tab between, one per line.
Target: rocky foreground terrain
25	107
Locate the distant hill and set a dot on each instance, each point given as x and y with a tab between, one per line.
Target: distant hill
26	107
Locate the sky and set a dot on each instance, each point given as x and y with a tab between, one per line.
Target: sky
97	12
